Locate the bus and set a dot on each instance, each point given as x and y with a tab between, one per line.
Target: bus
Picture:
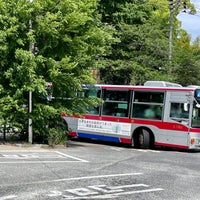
157	113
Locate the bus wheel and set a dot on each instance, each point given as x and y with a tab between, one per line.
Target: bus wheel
142	139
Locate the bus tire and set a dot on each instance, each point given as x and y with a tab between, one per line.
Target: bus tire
142	139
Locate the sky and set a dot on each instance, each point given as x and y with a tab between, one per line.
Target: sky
191	23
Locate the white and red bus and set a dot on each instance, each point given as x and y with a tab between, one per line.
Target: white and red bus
156	114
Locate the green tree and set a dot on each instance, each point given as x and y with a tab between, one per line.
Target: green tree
48	41
143	29
187	60
142	52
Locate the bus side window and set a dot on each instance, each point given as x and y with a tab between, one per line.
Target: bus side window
148	105
150	112
147	111
109	108
115	109
116	103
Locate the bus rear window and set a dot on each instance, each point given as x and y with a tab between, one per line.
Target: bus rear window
92	93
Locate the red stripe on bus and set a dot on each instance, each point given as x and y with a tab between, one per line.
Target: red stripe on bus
163	125
195	130
157	123
73	134
171	145
71	116
64	115
126	140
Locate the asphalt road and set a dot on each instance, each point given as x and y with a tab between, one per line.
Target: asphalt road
89	170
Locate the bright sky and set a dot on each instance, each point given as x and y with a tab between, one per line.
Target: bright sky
191	23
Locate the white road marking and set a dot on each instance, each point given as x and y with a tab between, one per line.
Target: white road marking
86	178
146	150
68	156
23	157
25	150
37	162
8	197
117	148
103	191
114	189
140	150
113	196
94	191
76	178
128	186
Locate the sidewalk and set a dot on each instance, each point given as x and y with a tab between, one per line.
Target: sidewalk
22	146
28	146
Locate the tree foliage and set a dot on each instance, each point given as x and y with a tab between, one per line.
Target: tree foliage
187	60
142	52
47	41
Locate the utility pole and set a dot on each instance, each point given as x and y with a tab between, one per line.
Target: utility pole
171	8
30	127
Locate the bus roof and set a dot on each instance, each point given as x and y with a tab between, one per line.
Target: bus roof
148	85
161	84
141	87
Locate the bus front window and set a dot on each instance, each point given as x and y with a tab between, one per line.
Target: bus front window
196	110
179	112
196	117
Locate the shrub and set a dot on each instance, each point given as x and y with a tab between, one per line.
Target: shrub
57	136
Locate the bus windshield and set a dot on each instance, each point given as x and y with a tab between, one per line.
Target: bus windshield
196	110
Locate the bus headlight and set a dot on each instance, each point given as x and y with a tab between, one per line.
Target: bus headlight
192	140
195	141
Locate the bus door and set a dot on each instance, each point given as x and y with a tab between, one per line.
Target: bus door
180	123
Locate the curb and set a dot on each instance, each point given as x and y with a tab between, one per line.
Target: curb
27	146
